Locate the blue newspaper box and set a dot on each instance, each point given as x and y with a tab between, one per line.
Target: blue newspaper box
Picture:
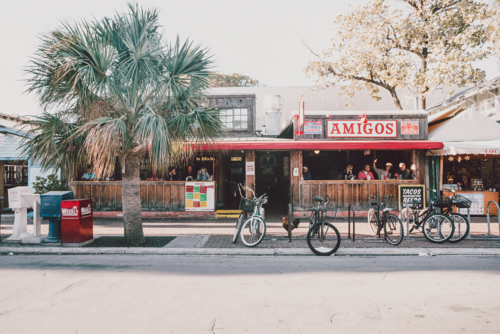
50	208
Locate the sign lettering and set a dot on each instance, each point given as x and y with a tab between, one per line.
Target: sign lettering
356	129
409	128
313	128
410	193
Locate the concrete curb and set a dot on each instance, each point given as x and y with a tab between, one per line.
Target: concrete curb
30	250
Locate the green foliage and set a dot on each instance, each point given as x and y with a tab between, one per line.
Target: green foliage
118	89
43	185
232	80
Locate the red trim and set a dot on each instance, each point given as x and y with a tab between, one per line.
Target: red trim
325	145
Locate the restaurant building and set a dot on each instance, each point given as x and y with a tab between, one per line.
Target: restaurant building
324	141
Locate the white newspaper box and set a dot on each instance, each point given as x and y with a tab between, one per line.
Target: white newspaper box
16	201
20	206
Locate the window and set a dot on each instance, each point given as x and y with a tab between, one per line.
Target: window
236	119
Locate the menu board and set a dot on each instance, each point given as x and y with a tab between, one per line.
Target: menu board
409	193
477	205
200	196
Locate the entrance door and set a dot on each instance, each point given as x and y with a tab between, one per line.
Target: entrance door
272	176
234	173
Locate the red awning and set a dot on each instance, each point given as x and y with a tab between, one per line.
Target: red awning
324	145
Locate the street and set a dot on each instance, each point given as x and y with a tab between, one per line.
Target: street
182	294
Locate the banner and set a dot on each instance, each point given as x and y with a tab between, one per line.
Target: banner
200	196
356	129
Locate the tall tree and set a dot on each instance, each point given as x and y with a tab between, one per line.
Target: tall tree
424	44
232	80
118	89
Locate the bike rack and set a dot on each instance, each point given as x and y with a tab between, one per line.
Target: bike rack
349	223
489	236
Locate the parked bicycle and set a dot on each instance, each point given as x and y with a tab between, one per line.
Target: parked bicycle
253	229
390	223
323	238
436	227
461	223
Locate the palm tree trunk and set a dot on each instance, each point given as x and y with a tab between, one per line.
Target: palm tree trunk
131	201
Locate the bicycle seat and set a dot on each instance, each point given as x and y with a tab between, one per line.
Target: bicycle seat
374	203
319	198
388	209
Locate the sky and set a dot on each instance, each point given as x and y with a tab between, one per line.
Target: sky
259	38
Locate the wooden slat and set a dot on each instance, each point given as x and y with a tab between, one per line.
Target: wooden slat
104	196
174	192
363	194
118	194
182	197
159	196
144	196
166	195
306	196
96	195
151	195
87	191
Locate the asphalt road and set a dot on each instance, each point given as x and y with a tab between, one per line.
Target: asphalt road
180	294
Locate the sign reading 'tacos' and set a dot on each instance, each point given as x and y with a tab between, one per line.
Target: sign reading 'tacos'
356	129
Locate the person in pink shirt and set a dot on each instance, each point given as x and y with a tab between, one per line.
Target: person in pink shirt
365	174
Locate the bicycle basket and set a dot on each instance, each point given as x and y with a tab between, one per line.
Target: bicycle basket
461	202
441	202
247	205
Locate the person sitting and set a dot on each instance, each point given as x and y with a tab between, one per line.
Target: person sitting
347	174
203	175
365	174
305	174
404	173
190	174
383	173
172	176
89	175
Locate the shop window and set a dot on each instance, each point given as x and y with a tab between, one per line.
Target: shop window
235	119
15	175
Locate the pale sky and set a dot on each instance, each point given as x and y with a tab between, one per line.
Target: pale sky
258	38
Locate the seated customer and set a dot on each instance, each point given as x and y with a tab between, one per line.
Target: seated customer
203	175
382	173
173	176
347	174
404	172
305	173
89	175
365	174
190	174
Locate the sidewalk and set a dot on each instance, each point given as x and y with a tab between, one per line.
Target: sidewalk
214	237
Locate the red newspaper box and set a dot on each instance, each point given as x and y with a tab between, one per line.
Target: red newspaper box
77	222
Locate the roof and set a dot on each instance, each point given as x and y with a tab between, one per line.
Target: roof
360	112
489	147
6	130
465	126
447	113
264	143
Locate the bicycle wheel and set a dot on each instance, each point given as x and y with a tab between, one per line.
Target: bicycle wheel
326	245
253	231
393	229
411	218
462	227
239	224
438	228
372	220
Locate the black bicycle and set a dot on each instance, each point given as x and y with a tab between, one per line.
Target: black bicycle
323	238
460	222
436	227
393	228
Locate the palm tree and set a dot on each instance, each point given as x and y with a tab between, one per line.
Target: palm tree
116	88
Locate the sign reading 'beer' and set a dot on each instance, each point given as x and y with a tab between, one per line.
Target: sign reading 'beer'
357	129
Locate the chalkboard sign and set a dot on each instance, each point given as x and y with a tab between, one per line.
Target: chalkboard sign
409	193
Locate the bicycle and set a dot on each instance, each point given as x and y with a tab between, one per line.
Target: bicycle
253	229
436	227
318	239
393	228
461	223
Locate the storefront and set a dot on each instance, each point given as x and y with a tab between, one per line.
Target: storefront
330	141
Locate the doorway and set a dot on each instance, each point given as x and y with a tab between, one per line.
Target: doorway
272	176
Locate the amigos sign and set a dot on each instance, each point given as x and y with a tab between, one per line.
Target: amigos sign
356	129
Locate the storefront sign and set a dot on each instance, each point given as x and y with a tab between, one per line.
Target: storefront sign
409	128
367	152
356	129
204	158
409	193
236	158
313	128
200	196
477	205
250	168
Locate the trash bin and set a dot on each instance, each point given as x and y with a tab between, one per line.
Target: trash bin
77	222
50	208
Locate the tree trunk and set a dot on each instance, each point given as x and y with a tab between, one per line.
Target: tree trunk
423	89
131	201
395	99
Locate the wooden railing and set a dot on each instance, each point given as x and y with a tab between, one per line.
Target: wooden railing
155	195
342	193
